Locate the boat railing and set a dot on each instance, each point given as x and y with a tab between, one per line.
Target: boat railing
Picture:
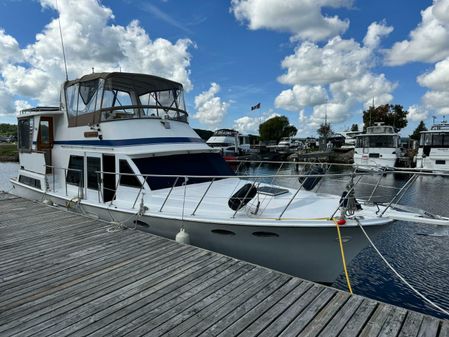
353	179
65	173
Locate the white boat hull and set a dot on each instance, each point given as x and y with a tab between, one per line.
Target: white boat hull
309	252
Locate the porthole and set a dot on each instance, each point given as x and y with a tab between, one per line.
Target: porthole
222	232
265	234
141	223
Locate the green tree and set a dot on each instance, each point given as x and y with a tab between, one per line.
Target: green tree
8	129
275	128
355	127
325	130
389	114
416	134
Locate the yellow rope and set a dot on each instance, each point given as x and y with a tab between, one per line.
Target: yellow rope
348	282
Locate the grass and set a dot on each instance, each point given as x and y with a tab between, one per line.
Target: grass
8	152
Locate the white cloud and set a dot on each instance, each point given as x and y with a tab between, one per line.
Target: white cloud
417	113
90	41
302	18
9	49
247	124
210	110
437	80
334	78
6	101
300	97
428	42
375	33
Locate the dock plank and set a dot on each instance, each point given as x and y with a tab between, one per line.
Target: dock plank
62	273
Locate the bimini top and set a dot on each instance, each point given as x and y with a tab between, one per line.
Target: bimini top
107	97
139	83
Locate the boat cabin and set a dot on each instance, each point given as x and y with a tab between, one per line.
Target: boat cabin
109	124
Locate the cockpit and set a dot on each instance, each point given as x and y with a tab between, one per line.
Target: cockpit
104	97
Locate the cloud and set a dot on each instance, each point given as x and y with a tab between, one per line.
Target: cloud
417	113
437	98
248	124
375	33
428	42
302	18
334	78
210	110
300	97
37	71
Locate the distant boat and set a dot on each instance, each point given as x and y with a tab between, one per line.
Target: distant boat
230	142
377	149
433	152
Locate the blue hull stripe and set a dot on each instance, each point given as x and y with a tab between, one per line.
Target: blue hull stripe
129	142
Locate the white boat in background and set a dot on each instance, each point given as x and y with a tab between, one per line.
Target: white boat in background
119	147
377	149
433	152
349	143
230	140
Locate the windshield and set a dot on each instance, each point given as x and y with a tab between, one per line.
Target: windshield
198	164
376	141
434	139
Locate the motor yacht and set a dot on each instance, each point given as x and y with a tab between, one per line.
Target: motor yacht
119	147
433	152
377	149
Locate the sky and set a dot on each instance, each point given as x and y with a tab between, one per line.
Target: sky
304	59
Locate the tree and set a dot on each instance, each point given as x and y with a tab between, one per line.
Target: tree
355	127
275	128
416	134
389	114
324	130
8	129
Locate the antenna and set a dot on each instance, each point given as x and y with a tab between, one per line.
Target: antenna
62	42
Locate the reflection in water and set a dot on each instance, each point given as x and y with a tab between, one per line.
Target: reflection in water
420	253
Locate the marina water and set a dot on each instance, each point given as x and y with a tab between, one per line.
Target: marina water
420	253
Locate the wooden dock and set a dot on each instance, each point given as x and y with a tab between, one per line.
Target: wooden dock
64	274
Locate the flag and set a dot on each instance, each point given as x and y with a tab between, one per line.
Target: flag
257	106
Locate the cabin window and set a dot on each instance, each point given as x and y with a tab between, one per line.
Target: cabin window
204	164
75	173
128	179
446	140
93	166
25	133
82	102
437	140
30	181
120	103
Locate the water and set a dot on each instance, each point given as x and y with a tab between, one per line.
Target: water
420	253
7	170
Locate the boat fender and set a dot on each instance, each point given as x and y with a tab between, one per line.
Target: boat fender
308	183
183	237
242	197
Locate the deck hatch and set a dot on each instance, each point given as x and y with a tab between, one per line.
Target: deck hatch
272	191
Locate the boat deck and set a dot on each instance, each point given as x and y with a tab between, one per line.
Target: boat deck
65	274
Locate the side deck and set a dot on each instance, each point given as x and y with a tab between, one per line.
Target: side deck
64	274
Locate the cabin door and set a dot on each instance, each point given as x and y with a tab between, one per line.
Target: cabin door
45	140
109	179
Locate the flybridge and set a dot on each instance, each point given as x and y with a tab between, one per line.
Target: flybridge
104	97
